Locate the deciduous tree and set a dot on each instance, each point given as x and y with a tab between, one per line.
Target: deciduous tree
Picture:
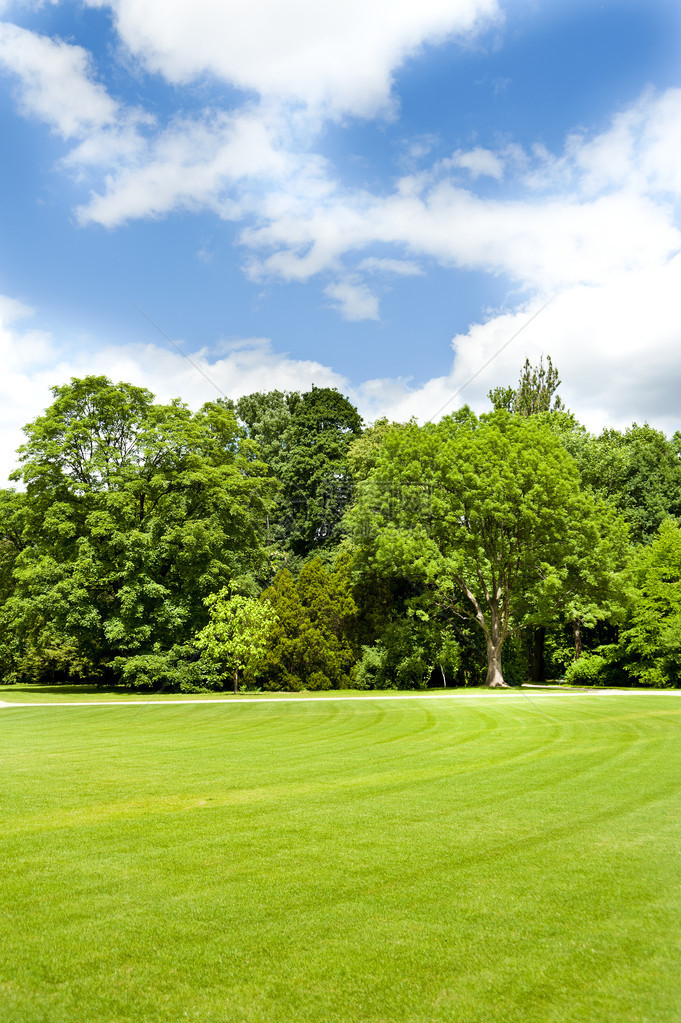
481	509
652	639
237	633
136	511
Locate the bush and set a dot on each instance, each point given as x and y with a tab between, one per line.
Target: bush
369	672
48	658
382	667
588	670
174	671
318	680
413	671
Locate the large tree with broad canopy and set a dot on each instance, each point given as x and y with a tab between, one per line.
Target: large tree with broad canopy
486	511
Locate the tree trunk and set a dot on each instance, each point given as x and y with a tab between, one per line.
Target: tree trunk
236	680
577	629
537	667
444	677
495	678
495	641
495	635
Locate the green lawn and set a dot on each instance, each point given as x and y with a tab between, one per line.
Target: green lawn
487	859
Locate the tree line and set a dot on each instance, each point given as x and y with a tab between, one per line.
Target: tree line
276	543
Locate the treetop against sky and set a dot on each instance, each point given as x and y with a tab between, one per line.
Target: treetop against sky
374	196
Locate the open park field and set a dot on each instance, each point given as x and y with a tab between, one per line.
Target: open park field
495	858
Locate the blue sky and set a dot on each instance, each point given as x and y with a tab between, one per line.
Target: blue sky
376	197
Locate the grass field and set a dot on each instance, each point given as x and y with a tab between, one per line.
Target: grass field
493	859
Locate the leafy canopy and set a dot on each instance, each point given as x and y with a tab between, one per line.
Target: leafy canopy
237	632
486	509
134	512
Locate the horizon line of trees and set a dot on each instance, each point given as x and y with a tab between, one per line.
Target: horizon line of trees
275	543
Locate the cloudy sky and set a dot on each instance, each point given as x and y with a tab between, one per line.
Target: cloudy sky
377	195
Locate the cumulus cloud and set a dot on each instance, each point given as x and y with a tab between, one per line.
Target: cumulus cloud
33	361
56	81
23	390
479	162
542	244
354	299
617	347
193	163
213	159
604	206
642	147
594	225
319	52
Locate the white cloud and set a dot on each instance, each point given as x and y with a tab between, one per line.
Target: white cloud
617	347
56	81
23	391
191	164
542	244
479	162
398	267
320	52
149	170
353	299
595	225
604	207
643	147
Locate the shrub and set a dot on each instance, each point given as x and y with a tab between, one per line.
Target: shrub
369	672
173	671
587	670
318	680
413	671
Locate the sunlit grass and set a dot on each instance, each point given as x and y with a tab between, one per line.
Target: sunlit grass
486	859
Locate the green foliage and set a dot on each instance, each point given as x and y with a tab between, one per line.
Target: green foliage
651	639
369	671
13	539
315	479
589	589
266	417
304	439
175	670
469	537
47	657
310	646
589	669
638	471
485	513
134	512
535	393
394	662
514	661
238	632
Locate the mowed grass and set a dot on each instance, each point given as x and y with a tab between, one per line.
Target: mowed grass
494	859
